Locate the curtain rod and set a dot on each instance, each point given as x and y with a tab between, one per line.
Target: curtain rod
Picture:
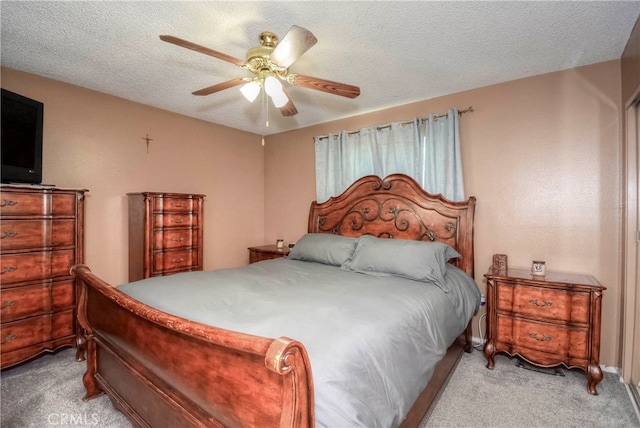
436	117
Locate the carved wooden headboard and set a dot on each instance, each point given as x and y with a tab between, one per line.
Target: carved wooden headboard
397	207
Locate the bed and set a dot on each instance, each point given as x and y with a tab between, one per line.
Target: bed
287	342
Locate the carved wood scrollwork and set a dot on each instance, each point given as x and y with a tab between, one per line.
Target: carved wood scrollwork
388	218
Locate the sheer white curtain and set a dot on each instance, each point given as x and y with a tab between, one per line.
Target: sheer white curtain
426	150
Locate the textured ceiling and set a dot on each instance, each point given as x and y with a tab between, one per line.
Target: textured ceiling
396	52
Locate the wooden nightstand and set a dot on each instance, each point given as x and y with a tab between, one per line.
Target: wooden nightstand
266	252
547	321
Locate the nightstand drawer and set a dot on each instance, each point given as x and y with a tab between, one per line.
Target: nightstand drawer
258	257
266	252
561	341
535	302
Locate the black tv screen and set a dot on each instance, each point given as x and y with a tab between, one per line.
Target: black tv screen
21	139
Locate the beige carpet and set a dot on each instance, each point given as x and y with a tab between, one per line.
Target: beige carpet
509	396
48	391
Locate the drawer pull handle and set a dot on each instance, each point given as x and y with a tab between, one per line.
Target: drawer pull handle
8	269
9	337
178	204
9	235
181	259
174	239
8	203
179	220
535	302
543	339
8	303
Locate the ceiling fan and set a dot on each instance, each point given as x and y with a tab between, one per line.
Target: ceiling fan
270	64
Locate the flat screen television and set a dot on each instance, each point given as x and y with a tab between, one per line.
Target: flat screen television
21	139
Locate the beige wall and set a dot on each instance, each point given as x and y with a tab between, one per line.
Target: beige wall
543	157
94	141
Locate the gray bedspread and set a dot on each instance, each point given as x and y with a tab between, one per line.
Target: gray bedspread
372	341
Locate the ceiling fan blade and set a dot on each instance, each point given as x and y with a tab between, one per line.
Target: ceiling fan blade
295	43
202	49
221	86
288	109
323	85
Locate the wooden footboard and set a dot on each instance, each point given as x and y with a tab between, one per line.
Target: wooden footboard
163	370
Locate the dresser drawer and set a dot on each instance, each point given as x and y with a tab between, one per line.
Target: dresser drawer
173	204
19	203
63	204
175	220
36	234
15	268
173	260
30	331
544	303
172	238
63	233
22	302
562	341
63	294
62	324
24	234
19	334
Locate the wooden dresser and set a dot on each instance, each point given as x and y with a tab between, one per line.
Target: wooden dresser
266	252
547	321
42	236
165	234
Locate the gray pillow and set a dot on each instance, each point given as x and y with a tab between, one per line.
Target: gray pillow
417	260
323	248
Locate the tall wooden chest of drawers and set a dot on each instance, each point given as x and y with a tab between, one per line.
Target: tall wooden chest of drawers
547	321
165	233
41	237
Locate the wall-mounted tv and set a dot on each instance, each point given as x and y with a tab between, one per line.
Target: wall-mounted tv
21	139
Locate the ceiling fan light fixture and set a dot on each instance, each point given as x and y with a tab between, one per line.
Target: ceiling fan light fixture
251	90
274	90
279	99
272	86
